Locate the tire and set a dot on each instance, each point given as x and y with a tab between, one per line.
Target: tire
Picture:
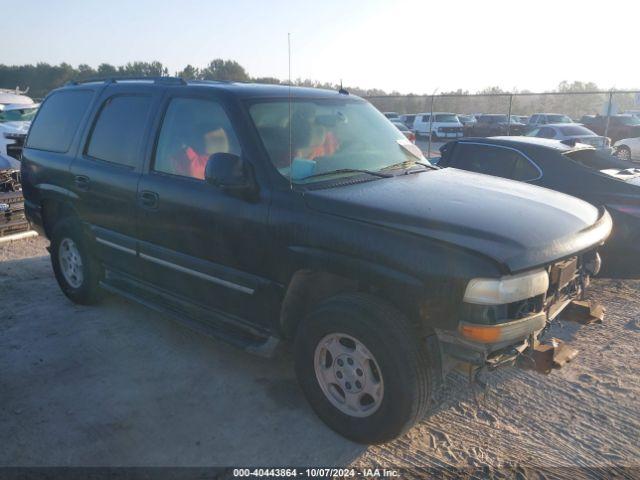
79	284
399	354
623	153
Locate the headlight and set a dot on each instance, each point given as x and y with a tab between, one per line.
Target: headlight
498	291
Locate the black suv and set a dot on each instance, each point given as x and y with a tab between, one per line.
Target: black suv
494	124
261	213
620	126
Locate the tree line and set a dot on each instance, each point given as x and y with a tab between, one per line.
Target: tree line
43	77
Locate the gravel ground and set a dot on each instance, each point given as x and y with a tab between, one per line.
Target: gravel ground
572	422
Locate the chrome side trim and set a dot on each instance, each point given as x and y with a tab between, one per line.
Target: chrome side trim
115	245
195	273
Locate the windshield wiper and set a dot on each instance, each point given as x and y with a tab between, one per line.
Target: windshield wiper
349	170
408	163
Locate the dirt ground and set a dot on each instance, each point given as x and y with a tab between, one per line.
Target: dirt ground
118	385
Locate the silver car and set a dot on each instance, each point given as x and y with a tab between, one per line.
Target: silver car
568	132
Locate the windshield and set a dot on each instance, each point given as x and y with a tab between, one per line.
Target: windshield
558	119
446	118
329	135
18	115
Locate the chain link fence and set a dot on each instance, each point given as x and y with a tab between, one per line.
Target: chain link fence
576	105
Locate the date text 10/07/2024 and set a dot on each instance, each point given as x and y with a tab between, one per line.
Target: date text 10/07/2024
315	472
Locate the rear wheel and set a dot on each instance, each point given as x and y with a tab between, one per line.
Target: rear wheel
363	368
76	269
623	153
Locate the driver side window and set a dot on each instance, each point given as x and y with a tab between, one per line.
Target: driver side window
192	130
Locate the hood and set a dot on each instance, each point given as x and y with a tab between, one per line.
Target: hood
518	225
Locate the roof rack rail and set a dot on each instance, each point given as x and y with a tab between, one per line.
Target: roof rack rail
141	78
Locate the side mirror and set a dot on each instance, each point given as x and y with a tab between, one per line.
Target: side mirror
231	174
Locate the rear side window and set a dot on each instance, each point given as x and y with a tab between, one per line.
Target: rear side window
491	160
118	131
57	122
546	132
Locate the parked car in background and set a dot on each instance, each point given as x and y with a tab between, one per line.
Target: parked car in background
524	119
628	149
408	120
15	120
381	269
13	222
391	115
443	125
635	113
405	131
493	124
467	120
586	119
578	170
546	118
13	97
620	126
16	112
571	132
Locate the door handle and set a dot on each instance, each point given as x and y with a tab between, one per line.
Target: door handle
148	199
82	182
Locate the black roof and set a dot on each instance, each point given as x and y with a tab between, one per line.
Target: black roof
557	145
240	89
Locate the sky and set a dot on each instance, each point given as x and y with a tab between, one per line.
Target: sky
405	46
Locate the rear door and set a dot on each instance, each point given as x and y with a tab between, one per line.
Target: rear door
107	170
196	241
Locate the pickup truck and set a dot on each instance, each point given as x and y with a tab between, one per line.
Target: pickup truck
262	214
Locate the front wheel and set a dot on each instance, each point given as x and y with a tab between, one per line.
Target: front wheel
363	368
77	271
623	153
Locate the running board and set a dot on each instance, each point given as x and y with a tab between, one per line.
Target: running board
203	320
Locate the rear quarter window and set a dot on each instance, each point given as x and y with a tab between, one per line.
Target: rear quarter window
58	120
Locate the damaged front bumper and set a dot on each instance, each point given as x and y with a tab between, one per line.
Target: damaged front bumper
493	345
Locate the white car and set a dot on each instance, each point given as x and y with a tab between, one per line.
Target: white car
628	149
15	120
443	125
